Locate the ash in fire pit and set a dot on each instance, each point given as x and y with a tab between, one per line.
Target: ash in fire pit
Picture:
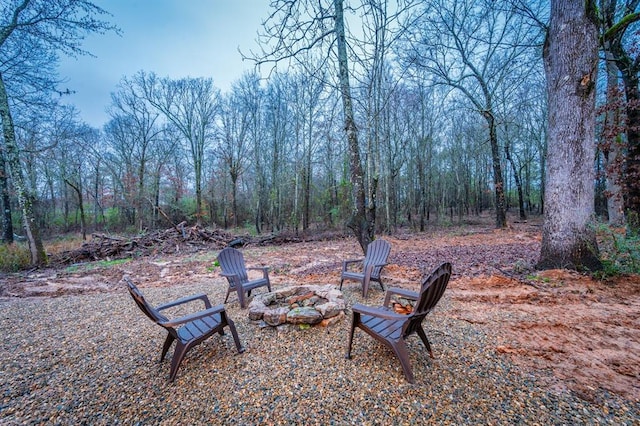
305	304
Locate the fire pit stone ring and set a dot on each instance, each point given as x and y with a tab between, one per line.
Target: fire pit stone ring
304	304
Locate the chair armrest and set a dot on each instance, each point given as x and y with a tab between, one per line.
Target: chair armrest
192	317
228	274
264	269
372	266
346	263
377	312
199	296
407	294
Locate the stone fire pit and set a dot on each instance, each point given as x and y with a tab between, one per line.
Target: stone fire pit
305	304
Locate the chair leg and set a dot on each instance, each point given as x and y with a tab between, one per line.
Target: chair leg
341	281
400	348
356	317
240	296
234	333
167	344
228	293
178	354
365	288
423	337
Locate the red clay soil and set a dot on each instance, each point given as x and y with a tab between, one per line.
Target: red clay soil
585	332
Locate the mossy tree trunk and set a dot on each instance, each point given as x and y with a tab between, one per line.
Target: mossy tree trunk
25	199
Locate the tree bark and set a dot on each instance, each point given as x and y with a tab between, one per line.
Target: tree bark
518	181
617	50
613	153
7	223
83	222
570	62
25	201
498	180
362	221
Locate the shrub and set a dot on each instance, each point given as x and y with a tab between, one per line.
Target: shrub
619	251
14	257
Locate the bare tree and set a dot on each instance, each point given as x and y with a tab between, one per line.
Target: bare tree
307	93
74	163
279	131
571	65
121	162
235	147
298	26
192	106
144	131
41	27
473	47
5	200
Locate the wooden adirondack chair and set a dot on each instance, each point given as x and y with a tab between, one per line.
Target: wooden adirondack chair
391	328
234	270
186	331
372	264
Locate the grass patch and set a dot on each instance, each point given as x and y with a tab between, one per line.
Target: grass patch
105	264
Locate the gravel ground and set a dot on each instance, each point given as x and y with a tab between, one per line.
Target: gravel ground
93	360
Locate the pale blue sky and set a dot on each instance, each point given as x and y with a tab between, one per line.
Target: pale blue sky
176	38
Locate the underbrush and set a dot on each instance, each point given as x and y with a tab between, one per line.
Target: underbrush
63	243
619	251
14	257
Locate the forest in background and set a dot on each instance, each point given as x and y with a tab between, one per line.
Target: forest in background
449	102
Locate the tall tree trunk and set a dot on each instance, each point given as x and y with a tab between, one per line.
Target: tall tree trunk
140	197
516	177
498	180
25	200
624	54
83	222
198	179
7	223
613	145
234	197
632	169
362	222
570	62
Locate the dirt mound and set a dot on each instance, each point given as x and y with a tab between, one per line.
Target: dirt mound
586	332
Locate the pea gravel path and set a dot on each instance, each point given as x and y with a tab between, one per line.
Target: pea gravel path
93	360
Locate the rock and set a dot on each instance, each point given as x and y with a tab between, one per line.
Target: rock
308	304
256	312
330	309
296	298
330	321
275	317
304	315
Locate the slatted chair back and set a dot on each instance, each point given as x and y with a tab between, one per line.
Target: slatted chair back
377	254
189	330
232	262
142	303
235	271
431	292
